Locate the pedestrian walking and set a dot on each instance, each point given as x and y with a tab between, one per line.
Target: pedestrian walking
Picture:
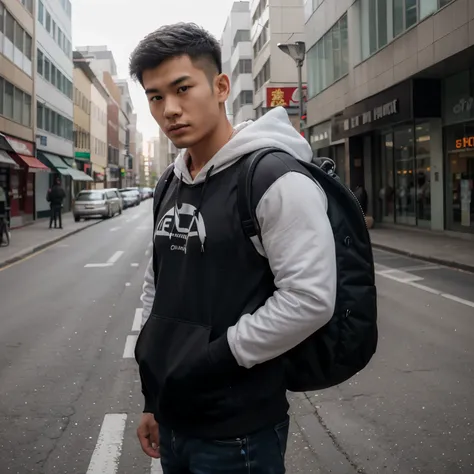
55	197
223	307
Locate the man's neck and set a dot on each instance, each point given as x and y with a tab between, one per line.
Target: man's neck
202	152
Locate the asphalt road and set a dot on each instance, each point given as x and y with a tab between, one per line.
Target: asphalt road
70	400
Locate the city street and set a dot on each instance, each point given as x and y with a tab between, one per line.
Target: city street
70	392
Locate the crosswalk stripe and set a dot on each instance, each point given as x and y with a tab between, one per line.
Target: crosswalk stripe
106	455
137	320
129	350
156	467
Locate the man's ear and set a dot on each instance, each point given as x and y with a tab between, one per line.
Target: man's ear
222	87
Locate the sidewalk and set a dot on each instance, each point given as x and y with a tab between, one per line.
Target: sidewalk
436	247
37	236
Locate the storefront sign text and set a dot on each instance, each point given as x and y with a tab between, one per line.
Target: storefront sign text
464	105
284	96
465	142
385	110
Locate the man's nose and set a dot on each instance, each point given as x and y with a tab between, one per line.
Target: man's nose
172	107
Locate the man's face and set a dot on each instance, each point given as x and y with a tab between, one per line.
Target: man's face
184	101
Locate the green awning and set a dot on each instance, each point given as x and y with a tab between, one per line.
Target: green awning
78	175
53	161
69	162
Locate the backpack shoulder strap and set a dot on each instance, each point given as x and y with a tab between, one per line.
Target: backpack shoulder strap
160	191
245	206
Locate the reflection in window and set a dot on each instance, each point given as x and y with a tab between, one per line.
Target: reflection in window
328	59
411	13
386	193
405	189
427	7
423	174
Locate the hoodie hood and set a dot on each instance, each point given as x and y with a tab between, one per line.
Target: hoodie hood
273	129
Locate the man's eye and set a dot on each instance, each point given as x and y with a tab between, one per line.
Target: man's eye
183	88
155	98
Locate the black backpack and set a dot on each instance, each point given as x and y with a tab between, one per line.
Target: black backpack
345	345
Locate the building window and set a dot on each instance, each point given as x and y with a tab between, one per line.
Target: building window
261	40
2	18
240	37
47	70
54	122
41	12
48	22
328	58
19	37
28	46
263	76
260	9
244	66
10	27
14	103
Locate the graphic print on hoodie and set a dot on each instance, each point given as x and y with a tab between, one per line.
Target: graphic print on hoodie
210	279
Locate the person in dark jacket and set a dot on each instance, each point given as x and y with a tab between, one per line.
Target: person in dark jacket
56	197
224	308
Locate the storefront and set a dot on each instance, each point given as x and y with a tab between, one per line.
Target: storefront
21	179
395	152
458	132
320	139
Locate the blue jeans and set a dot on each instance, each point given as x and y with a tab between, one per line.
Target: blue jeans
258	453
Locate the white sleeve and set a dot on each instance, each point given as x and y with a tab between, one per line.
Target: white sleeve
148	294
299	243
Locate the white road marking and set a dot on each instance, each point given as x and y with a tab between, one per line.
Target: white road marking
156	467
115	257
107	451
134	264
128	284
419	268
428	289
98	265
137	320
129	351
114	229
398	275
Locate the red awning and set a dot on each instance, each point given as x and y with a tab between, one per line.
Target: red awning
33	163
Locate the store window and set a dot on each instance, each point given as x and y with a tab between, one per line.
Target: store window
460	177
423	174
386	193
405	187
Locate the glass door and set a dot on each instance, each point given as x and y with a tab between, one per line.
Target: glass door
386	192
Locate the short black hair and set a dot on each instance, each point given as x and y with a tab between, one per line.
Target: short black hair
170	41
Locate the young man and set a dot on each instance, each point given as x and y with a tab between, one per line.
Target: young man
56	196
224	308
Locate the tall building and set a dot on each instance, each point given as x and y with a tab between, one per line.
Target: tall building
237	62
54	96
127	108
90	122
275	74
103	64
17	149
134	150
391	94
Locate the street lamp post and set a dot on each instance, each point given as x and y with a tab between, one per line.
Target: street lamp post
297	51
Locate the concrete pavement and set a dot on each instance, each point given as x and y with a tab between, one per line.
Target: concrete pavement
71	395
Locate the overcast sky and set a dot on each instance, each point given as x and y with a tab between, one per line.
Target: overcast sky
121	24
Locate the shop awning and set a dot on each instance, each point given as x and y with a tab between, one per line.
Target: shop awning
54	162
6	160
33	163
69	162
78	175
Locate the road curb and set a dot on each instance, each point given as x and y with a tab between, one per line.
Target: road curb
31	250
426	258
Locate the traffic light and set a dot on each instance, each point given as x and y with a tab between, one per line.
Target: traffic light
122	172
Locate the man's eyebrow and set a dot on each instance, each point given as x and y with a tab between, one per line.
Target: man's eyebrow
154	90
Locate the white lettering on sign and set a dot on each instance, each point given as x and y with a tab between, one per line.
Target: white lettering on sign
385	110
464	105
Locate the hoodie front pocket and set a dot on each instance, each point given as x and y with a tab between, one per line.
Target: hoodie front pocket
174	355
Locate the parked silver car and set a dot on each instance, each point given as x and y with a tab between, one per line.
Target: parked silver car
103	203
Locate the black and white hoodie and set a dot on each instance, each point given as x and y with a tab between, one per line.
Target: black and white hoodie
224	308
